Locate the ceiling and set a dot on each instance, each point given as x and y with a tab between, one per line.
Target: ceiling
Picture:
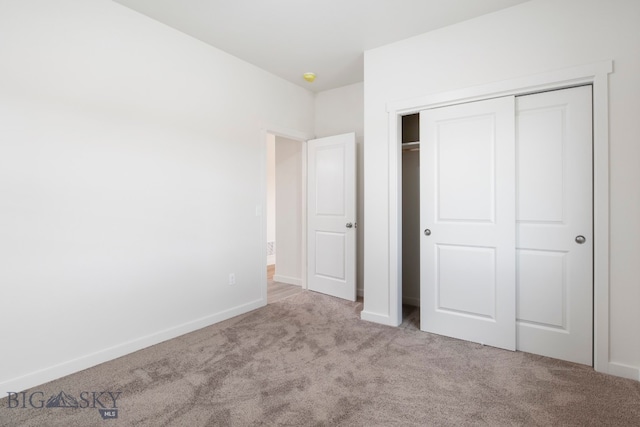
328	37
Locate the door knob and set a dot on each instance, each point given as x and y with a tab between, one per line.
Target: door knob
349	225
580	239
427	232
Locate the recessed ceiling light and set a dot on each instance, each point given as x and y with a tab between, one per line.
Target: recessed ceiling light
310	77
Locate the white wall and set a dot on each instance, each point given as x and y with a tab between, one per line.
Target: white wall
289	211
341	111
531	38
131	171
271	195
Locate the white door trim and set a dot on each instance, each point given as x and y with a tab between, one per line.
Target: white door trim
595	74
261	208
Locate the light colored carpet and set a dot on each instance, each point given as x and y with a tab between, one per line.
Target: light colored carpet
309	360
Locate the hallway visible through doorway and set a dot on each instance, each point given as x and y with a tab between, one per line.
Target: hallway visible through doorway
277	291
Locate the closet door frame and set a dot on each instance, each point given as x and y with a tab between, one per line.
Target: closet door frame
595	74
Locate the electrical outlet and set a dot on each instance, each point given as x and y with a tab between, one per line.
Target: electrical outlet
232	278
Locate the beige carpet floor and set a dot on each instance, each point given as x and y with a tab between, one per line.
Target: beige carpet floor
309	360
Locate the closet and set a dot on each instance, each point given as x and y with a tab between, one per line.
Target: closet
506	214
411	210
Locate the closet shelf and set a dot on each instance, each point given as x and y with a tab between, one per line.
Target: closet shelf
411	146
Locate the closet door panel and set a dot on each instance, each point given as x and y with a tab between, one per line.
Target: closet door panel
467	193
554	224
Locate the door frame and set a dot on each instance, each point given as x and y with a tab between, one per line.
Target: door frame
262	207
595	74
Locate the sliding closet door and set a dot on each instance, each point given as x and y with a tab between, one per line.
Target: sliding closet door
467	163
554	224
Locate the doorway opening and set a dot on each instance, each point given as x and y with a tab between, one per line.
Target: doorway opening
410	137
284	217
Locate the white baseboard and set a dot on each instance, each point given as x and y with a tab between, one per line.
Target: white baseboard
287	279
51	373
625	371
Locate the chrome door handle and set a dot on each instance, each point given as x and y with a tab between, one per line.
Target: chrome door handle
427	232
580	239
349	225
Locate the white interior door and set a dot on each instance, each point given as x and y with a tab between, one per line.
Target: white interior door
331	207
554	208
467	163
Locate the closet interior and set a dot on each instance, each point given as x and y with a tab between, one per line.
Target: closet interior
411	210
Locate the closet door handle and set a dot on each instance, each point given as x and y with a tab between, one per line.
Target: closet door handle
427	232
